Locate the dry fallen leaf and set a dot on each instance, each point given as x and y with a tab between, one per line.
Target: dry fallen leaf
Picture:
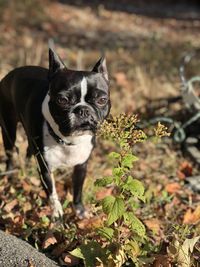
35	181
162	261
9	206
27	187
192	217
180	175
186	168
93	222
184	251
49	240
70	260
104	193
153	224
42	194
172	188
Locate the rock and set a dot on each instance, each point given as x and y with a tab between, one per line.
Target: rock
15	252
194	153
194	183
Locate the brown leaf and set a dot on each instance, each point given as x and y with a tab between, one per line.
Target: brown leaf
192	217
93	222
172	188
18	219
42	194
153	224
70	260
26	206
49	240
162	261
35	181
9	206
180	175
186	168
104	193
197	212
59	249
27	187
45	211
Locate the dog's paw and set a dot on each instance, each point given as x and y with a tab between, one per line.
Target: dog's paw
81	212
57	210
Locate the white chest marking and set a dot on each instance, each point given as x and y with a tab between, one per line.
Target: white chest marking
59	155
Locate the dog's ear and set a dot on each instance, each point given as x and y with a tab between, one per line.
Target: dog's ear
55	63
101	67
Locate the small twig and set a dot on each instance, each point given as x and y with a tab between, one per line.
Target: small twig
9	172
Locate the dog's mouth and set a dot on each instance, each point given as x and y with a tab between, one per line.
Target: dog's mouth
90	125
84	128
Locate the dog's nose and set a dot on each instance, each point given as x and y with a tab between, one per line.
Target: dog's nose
82	111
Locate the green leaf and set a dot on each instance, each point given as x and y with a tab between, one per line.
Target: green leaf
65	204
107	204
135	187
128	160
77	253
114	207
133	249
107	180
106	232
136	225
118	172
45	220
89	253
114	155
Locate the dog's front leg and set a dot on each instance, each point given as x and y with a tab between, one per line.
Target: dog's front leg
78	178
48	184
54	201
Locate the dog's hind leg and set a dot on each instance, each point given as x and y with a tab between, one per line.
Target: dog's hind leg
29	154
8	122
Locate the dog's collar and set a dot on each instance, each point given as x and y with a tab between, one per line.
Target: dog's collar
57	138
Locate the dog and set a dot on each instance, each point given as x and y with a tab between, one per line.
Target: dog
60	110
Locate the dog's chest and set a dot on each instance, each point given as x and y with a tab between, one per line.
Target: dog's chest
62	155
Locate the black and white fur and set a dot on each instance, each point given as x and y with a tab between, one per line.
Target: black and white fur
60	110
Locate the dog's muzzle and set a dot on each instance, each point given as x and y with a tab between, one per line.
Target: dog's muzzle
84	118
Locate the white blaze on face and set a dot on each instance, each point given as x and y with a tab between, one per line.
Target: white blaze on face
82	100
83	90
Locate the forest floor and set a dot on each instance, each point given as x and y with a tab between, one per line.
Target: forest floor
143	56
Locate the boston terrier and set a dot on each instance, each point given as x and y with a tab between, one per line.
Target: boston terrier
60	110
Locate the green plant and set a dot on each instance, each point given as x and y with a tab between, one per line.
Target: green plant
182	245
123	233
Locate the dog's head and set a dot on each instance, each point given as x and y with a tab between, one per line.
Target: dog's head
78	100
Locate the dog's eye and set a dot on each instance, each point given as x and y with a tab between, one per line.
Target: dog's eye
62	101
102	101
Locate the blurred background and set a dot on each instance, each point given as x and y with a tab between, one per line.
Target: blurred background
143	40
